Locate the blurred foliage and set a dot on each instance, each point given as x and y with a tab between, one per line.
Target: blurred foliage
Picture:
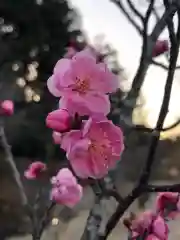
33	36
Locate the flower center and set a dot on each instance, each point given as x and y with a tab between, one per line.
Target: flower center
82	85
101	149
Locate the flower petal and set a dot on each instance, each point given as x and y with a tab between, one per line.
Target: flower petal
70	138
51	84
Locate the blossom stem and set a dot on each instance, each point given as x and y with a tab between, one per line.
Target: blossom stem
41	226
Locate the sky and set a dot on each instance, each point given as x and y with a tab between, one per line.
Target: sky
103	17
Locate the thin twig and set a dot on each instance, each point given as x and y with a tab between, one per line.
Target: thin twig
135	10
163	188
161	65
151	130
143	180
128	16
10	161
43	222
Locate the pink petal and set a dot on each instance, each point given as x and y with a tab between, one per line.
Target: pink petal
79	159
84	66
87	53
57	137
51	84
97	103
178	204
65	177
152	237
70	138
62	66
74	107
100	166
29	175
103	79
160	227
74	196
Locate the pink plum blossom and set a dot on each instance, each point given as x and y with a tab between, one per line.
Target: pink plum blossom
65	189
161	47
35	169
153	224
57	137
95	149
59	120
7	107
168	204
84	82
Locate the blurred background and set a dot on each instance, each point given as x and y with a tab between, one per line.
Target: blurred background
34	34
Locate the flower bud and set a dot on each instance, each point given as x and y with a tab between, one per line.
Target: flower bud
167	204
35	170
7	107
59	120
161	47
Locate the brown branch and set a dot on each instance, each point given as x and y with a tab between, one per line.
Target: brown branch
163	188
161	65
9	160
151	130
135	11
144	178
127	15
148	45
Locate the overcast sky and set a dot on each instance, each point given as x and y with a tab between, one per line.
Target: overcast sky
102	16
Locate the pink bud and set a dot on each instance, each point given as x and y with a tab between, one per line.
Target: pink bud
34	170
59	120
57	137
167	204
161	47
7	107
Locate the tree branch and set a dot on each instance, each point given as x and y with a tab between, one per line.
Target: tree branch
135	11
9	160
144	178
163	188
127	15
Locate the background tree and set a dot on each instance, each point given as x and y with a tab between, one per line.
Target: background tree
33	36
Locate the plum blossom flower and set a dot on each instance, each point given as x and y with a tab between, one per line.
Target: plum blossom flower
65	189
7	107
57	137
59	120
168	204
95	149
84	82
150	225
161	47
35	170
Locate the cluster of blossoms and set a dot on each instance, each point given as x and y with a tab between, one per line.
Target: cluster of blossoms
93	144
153	225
